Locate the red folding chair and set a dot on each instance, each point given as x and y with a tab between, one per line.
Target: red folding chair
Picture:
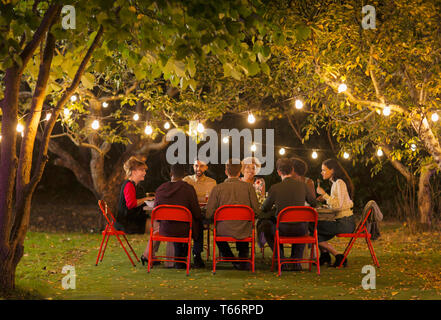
238	213
360	232
172	213
111	231
296	214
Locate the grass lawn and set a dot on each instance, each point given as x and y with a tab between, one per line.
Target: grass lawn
410	269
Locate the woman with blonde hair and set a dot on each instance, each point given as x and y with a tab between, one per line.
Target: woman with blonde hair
131	217
250	168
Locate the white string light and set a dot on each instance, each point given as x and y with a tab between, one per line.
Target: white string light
136	117
342	88
413	147
435	117
253	147
66	112
282	151
73	98
105	104
148	129
95	124
20	128
314	155
225	140
48	116
251	118
386	111
379	152
299	104
200	128
167	125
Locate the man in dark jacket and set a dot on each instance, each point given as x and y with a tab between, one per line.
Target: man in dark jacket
289	192
178	192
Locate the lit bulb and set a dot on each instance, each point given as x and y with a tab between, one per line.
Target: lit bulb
148	129
48	116
253	147
73	98
346	155
225	140
386	111
167	125
251	118
435	117
0	138
282	151
200	128
379	152
20	127
95	124
413	147
342	88
66	112
314	155
105	104
299	104
136	117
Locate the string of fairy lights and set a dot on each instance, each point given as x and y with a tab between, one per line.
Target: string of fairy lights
298	103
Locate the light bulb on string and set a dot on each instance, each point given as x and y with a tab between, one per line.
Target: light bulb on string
314	155
253	147
435	117
342	88
95	124
413	147
167	125
66	112
251	118
299	104
200	128
386	111
105	104
48	116
136	117
148	129
73	98
225	140
282	151
346	155
379	152
20	128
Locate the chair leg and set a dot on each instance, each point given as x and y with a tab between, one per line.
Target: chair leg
208	242
214	255
99	252
311	256
253	252
188	256
317	258
133	251
371	249
346	253
279	265
130	258
105	247
150	255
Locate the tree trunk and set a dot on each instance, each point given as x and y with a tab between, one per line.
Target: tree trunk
425	196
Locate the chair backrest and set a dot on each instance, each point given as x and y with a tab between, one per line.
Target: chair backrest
363	220
297	214
106	212
171	212
234	212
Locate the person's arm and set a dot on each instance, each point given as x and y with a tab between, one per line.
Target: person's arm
212	203
194	205
310	197
269	202
130	197
253	200
311	186
338	193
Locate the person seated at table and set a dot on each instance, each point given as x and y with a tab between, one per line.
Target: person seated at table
131	217
203	186
340	199
289	192
250	168
233	191
178	192
300	170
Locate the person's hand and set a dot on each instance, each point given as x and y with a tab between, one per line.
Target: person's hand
320	191
320	198
150	198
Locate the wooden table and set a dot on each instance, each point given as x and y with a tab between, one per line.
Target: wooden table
326	214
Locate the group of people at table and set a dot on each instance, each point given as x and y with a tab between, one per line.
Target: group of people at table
202	196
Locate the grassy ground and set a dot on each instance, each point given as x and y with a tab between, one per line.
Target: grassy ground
410	269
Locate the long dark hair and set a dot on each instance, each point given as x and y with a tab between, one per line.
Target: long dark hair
340	173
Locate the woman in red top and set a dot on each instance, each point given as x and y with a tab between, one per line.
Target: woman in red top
130	217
